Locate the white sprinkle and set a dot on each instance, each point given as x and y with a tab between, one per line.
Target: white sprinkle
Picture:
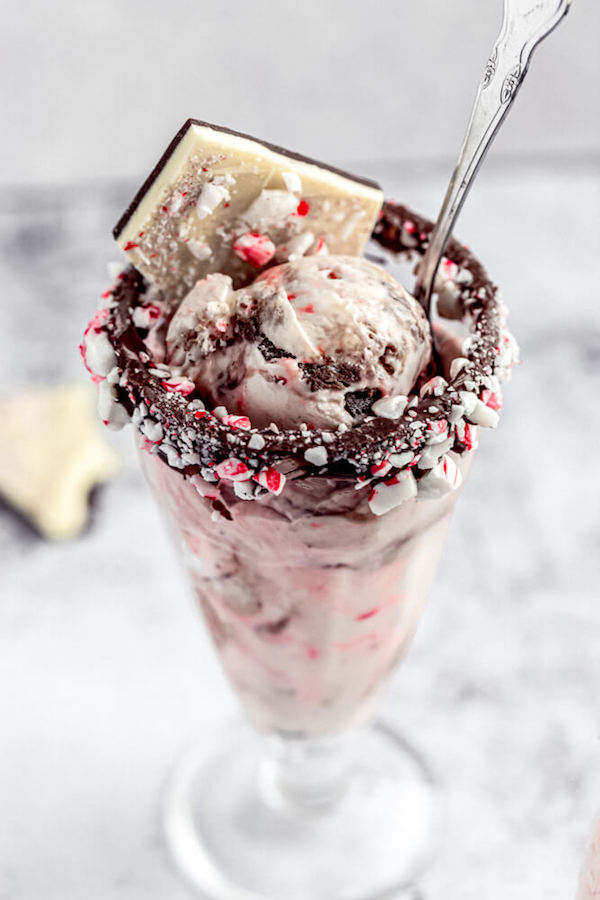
296	246
317	456
190	459
199	249
390	407
226	180
153	430
256	442
219	412
432	454
399	460
244	490
173	457
328	437
456	413
270	209
99	354
210	197
292	182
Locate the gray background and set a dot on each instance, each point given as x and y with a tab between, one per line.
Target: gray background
106	673
95	89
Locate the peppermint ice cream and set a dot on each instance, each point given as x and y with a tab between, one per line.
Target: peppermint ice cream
292	419
316	341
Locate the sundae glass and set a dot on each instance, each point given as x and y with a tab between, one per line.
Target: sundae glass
306	434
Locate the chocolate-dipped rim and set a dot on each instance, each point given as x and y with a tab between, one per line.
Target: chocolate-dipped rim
349	452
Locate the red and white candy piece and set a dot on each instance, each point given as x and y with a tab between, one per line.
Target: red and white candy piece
235	422
96	350
466	435
441	480
437	431
477	412
271	479
146	316
432	454
179	386
493	399
390	494
255	249
381	469
233	469
435	387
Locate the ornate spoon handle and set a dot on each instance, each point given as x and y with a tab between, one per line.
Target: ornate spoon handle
525	24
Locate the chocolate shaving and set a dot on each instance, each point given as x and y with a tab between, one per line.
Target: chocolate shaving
359	403
329	374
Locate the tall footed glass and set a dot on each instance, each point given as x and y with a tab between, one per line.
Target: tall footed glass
311	600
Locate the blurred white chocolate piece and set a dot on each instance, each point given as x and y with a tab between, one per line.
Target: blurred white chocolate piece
51	455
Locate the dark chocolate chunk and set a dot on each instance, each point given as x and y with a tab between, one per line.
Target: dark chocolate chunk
359	403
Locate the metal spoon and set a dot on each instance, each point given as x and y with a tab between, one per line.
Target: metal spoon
526	23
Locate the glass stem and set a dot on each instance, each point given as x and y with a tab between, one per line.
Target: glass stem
305	775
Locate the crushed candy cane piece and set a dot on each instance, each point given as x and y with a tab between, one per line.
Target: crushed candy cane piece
387	495
435	387
179	386
317	456
233	470
477	412
441	480
493	399
381	469
270	479
255	249
235	422
211	196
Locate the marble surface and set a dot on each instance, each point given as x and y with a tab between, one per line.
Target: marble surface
106	673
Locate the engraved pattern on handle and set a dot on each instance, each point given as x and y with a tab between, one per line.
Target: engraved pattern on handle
525	24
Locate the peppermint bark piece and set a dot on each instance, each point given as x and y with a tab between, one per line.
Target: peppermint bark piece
220	201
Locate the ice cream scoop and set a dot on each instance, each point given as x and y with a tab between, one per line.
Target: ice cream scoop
318	340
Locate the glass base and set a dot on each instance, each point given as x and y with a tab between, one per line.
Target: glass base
236	837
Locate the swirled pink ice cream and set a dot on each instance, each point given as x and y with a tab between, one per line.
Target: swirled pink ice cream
318	340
